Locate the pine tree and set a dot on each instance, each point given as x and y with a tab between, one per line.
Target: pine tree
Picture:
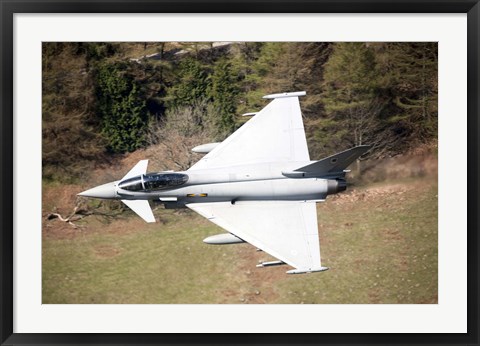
288	67
123	113
259	80
243	60
223	90
191	86
409	76
350	98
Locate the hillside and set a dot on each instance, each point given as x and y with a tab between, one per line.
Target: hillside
378	238
101	101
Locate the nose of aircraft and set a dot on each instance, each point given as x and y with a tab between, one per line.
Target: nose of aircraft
101	191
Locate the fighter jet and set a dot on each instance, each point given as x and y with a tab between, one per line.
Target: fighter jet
259	185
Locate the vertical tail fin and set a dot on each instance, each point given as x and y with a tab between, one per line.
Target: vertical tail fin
334	164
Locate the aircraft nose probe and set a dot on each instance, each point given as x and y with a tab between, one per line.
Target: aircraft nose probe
107	191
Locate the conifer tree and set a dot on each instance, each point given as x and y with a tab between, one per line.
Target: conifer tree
191	86
409	75
123	112
292	66
350	99
261	80
243	60
223	90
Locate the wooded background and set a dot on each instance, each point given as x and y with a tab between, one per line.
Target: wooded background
102	100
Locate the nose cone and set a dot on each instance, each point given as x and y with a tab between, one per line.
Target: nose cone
102	191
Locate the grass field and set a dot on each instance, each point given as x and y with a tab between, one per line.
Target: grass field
379	240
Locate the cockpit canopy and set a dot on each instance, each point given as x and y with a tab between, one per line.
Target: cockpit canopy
153	182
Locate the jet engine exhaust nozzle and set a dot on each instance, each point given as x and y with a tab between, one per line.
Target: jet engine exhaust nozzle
341	185
336	186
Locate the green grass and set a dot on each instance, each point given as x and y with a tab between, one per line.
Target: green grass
163	263
383	250
380	247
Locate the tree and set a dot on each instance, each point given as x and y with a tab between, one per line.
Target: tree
192	84
152	77
70	140
223	90
123	112
350	97
293	66
180	130
409	76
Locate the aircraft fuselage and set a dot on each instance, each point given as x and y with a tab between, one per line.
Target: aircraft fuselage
244	183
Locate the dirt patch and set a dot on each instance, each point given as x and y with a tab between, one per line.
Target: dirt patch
63	200
374	193
402	263
257	282
433	300
421	164
261	279
59	199
128	226
56	229
391	235
374	296
106	251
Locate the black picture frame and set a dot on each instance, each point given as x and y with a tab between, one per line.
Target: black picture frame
9	7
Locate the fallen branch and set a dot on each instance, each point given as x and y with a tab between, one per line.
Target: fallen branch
80	212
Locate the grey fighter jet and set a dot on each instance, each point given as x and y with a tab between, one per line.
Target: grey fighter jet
258	184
